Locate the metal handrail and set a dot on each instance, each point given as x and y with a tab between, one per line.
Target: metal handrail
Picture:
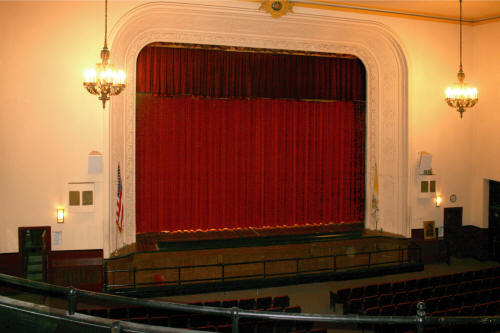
8	305
72	294
264	274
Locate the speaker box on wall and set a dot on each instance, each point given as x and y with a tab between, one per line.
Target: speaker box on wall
95	162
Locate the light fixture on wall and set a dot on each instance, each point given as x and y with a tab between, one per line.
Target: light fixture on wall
103	80
438	200
60	215
460	96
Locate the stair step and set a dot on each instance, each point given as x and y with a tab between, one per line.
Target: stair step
34	276
34	268
35	259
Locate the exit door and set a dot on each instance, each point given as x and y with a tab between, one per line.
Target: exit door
34	247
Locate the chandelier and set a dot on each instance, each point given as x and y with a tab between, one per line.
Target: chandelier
103	80
460	96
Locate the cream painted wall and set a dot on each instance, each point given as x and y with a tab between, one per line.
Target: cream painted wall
485	158
48	123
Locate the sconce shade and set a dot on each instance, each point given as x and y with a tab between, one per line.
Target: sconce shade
60	215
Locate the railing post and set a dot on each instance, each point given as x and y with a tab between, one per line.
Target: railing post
265	274
133	278
222	267
334	262
369	259
297	269
116	327
420	317
72	300
234	319
179	275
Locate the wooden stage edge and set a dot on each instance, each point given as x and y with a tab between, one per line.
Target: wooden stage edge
186	262
177	240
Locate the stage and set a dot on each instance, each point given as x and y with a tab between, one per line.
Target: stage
187	262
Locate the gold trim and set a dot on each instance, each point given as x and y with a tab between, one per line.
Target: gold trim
277	8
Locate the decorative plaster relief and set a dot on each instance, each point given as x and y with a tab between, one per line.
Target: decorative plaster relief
373	43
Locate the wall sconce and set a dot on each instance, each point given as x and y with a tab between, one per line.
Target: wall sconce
438	200
60	215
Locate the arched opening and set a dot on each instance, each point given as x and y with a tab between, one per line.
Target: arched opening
374	44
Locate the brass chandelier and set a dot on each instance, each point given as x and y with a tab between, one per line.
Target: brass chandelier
103	80
460	96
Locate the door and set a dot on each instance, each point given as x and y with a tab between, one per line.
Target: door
34	247
453	234
494	221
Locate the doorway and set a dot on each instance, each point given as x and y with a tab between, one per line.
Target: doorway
494	220
453	235
34	247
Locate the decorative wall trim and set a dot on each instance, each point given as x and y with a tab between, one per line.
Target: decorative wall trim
202	23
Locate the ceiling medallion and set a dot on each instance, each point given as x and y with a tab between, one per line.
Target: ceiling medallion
277	8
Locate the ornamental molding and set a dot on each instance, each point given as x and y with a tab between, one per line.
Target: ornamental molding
387	77
277	8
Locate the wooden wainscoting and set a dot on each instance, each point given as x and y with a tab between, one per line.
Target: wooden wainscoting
11	264
78	268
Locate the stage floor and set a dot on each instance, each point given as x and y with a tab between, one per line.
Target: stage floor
161	241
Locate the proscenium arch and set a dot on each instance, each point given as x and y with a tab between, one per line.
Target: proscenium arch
241	24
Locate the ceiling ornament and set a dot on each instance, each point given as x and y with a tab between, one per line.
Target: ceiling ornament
277	8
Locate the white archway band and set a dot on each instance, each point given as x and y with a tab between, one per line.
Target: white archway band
239	24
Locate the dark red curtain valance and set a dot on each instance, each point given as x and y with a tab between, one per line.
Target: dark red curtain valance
236	163
221	74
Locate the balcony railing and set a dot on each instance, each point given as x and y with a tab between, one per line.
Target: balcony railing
15	310
296	267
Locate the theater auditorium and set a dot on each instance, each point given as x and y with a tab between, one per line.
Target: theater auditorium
260	166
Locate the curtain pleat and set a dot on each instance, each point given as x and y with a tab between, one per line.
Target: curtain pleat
212	163
233	140
165	71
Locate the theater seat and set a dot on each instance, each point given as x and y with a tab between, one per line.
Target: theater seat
229	303
281	301
293	309
225	328
264	302
370	302
247	303
212	303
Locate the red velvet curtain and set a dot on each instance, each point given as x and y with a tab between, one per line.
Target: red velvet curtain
227	139
215	163
165	71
